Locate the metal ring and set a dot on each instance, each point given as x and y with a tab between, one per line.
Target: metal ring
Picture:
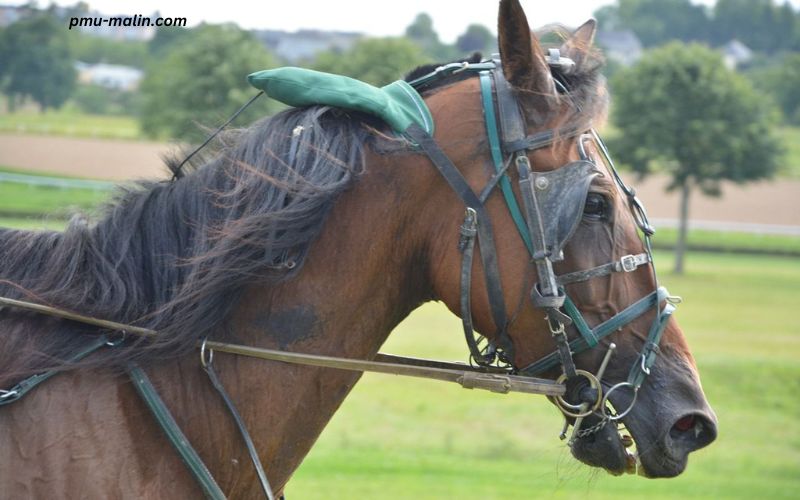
577	411
114	342
206	355
619	415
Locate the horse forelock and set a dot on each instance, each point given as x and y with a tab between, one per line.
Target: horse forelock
173	256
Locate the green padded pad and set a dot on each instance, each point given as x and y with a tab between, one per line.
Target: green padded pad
398	104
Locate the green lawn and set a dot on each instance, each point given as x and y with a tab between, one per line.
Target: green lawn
23	200
28	201
730	241
70	122
399	438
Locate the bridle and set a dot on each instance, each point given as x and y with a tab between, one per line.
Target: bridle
552	205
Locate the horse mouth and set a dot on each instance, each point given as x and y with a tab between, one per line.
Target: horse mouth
618	452
604	447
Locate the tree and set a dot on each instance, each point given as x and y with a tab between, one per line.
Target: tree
659	21
477	38
36	62
782	81
378	61
421	32
680	110
202	80
759	24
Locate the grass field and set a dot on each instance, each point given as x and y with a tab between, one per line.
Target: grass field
70	122
24	202
396	438
731	241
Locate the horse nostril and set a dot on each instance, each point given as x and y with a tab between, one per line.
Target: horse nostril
685	423
694	430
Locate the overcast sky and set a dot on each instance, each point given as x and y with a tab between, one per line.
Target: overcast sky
375	17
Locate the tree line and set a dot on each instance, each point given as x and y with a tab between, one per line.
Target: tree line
763	25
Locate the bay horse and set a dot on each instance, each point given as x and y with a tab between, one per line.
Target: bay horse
323	245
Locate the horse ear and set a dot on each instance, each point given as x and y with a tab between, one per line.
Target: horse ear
578	44
524	65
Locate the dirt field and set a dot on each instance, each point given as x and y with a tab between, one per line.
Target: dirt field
774	203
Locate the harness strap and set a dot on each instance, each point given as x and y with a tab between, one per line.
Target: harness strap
628	263
641	370
590	337
22	388
485	234
142	384
466	244
540	139
497	157
208	366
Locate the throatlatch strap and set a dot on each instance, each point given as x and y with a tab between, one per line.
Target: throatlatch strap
167	423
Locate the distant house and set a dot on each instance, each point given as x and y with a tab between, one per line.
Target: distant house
110	76
735	54
9	14
623	47
305	44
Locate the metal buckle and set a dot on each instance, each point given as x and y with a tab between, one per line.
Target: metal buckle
628	263
4	395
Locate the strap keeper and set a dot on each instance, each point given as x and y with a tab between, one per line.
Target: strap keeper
468	229
544	254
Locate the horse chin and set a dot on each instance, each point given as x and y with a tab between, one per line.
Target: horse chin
604	449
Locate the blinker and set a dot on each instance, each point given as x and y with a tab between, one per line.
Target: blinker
560	197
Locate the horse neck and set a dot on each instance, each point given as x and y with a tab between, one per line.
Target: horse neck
363	275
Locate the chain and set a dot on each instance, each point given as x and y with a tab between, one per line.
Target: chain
581	433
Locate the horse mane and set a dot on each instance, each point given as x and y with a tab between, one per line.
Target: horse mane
174	256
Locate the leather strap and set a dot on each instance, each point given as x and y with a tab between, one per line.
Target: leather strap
497	154
627	263
590	337
15	393
466	244
485	234
142	384
208	366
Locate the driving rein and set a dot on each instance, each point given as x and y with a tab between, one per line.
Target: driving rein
552	207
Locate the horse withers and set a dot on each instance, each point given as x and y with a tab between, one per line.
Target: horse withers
317	231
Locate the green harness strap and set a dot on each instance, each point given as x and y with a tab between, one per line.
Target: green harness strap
608	327
497	158
25	386
173	432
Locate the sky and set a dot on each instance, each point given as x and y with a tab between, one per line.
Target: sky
372	17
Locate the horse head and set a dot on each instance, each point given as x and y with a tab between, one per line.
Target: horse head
576	262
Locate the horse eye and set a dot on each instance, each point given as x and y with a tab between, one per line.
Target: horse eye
596	207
